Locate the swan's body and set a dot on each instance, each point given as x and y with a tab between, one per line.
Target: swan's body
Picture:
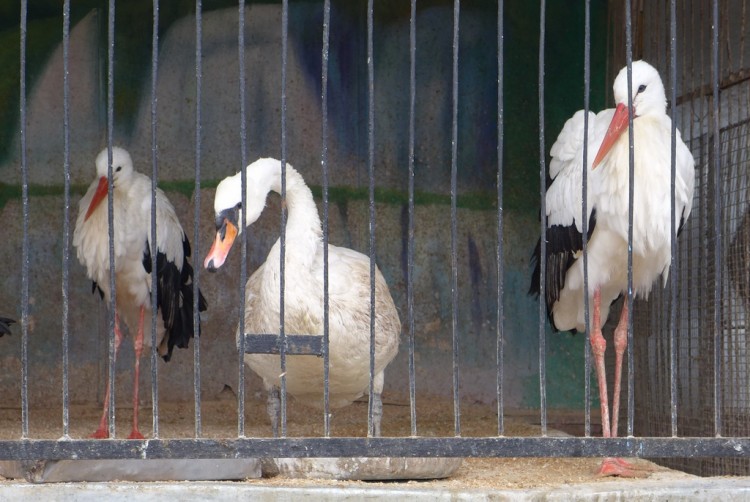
131	201
349	295
607	203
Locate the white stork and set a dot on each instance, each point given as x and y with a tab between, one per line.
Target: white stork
349	296
608	219
131	199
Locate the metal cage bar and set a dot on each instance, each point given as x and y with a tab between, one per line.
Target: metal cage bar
673	230
642	447
454	230
25	245
66	225
152	230
410	244
716	143
283	215
112	307
371	199
543	218
324	166
196	215
243	235
631	192
500	334
585	219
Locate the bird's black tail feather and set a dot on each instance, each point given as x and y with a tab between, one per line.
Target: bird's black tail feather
563	244
175	298
5	323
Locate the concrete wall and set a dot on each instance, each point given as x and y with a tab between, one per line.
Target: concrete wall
348	146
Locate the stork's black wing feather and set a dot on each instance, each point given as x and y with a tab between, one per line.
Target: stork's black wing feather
95	287
563	242
175	297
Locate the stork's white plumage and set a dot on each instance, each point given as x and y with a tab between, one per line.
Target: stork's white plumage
131	200
607	203
349	295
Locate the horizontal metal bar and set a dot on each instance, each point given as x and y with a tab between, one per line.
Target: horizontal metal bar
644	447
296	345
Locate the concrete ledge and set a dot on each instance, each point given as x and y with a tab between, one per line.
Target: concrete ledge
724	489
57	471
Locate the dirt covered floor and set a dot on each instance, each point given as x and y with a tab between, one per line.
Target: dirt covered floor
434	418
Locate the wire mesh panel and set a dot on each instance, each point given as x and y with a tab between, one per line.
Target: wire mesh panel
702	243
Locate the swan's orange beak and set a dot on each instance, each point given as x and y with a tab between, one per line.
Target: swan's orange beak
217	255
101	193
618	125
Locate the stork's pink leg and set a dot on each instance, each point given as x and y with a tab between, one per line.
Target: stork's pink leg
138	347
617	466
598	346
621	343
103	431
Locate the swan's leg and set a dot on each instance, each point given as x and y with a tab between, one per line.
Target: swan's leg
377	403
273	407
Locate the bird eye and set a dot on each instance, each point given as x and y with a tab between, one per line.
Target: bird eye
641	88
239	205
118	169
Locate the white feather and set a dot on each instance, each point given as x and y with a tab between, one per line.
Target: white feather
132	229
608	194
349	295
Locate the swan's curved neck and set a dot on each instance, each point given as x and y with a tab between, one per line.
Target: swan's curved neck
303	229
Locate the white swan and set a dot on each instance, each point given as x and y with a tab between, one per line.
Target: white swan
349	296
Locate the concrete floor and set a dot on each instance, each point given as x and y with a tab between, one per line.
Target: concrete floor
724	489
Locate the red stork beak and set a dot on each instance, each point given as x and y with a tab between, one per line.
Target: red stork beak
100	194
618	125
217	255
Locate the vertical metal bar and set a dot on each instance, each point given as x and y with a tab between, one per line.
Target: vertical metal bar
718	254
110	213
243	241
154	179
543	214
631	185
371	184
673	228
585	219
324	164
196	215
499	345
25	244
410	245
454	230
66	224
282	238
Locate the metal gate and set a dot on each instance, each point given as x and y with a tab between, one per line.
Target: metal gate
706	260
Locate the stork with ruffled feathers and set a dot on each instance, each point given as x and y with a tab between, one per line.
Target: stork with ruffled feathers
131	203
607	204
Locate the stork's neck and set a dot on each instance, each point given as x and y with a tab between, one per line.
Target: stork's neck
303	230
